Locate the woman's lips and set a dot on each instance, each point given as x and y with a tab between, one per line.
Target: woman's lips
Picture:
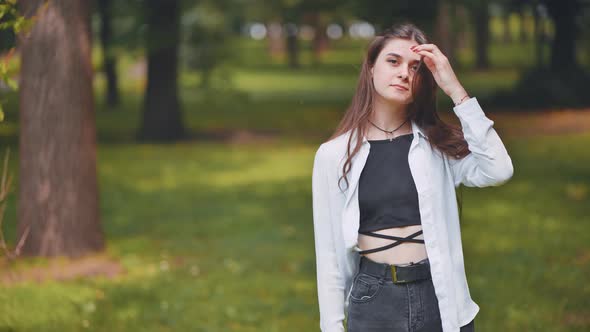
399	87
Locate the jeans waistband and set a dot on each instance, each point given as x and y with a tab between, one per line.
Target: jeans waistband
397	273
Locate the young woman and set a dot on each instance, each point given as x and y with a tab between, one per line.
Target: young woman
386	223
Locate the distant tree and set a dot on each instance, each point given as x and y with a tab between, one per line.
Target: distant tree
206	31
522	7
105	10
564	82
506	31
162	118
563	47
316	14
58	190
480	14
385	13
539	32
445	28
292	15
320	39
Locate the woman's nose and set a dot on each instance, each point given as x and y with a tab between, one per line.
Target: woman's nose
403	74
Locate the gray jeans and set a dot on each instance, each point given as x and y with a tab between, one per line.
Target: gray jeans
377	304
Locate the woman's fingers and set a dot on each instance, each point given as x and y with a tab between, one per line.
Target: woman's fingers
431	59
429	47
427	54
431	51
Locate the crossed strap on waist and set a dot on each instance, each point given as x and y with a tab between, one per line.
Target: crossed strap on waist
400	240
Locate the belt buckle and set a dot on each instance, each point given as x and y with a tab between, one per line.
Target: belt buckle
394	275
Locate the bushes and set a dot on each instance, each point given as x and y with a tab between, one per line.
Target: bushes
541	88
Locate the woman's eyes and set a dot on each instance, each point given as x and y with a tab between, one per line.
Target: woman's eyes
394	61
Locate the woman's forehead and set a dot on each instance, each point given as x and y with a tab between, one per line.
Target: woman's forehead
401	48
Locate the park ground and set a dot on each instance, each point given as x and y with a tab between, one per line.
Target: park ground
215	233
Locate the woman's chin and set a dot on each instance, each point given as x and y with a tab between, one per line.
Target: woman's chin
397	100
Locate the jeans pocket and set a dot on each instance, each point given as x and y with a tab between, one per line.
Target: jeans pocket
365	288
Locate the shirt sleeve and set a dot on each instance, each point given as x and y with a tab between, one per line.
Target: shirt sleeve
488	164
330	283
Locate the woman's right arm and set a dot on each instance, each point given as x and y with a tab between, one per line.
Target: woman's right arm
330	283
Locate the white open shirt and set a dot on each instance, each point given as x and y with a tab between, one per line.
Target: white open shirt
336	214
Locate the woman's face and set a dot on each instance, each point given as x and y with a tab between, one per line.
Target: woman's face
394	70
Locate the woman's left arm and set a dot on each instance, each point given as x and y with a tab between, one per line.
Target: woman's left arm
488	164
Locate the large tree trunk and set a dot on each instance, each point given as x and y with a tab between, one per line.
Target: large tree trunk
58	191
162	119
563	46
481	18
109	60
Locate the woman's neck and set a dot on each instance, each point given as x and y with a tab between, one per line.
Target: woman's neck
388	116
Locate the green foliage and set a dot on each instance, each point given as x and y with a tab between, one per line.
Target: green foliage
206	32
10	19
128	27
385	13
11	24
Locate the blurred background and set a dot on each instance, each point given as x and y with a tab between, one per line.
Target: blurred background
157	157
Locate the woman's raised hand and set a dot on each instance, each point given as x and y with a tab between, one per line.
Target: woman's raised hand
441	69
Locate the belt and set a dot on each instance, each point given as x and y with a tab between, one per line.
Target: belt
397	273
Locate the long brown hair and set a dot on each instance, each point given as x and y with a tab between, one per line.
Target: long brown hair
445	137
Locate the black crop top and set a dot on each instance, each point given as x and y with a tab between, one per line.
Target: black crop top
387	193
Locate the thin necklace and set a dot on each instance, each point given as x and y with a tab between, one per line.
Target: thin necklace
388	131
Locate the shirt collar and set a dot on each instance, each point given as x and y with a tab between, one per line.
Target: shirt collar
417	130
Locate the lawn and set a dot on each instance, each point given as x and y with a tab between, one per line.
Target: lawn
218	236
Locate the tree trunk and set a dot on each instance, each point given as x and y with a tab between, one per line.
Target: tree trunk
58	191
539	36
462	17
522	18
292	45
162	118
320	39
276	42
507	35
444	35
563	46
109	60
481	16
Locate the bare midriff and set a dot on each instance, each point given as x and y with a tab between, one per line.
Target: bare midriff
404	253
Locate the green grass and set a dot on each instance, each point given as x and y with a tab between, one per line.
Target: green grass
219	237
216	238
